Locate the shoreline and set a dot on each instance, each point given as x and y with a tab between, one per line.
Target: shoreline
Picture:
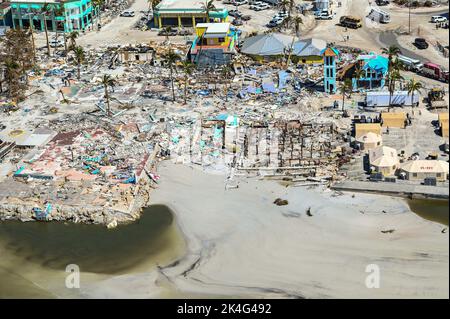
228	253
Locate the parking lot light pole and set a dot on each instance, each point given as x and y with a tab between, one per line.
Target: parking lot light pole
409	17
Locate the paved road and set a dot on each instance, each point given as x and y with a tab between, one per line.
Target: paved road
390	38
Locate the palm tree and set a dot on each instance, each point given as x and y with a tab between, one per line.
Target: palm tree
188	69
153	3
294	22
413	86
97	4
391	52
30	21
345	87
291	7
60	12
283	4
226	74
45	11
107	81
171	58
358	74
12	69
79	58
208	6
72	38
394	76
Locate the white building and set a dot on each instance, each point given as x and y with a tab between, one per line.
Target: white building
383	160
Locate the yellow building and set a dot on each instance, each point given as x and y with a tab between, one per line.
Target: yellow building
364	128
393	119
186	13
214	44
443	123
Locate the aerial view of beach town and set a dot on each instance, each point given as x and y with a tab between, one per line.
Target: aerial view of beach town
190	149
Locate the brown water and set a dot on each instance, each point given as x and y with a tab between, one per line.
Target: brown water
434	210
30	251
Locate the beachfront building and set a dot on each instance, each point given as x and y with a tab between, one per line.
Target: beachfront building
187	13
272	46
374	69
309	51
214	44
5	14
364	128
393	119
420	169
330	56
65	15
369	141
443	123
383	160
266	47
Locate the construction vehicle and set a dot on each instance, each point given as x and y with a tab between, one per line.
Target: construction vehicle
350	22
436	98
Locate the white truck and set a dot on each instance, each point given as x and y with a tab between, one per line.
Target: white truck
399	98
379	15
410	64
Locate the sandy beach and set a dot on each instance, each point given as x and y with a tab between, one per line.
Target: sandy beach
240	244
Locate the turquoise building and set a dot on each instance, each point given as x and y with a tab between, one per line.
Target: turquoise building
76	16
330	56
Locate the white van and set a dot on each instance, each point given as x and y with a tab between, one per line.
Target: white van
436	19
380	15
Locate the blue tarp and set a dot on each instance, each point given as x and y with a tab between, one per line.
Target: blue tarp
283	77
269	87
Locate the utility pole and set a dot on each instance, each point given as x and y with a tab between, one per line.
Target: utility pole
409	17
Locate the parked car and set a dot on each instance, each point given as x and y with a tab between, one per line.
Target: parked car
56	43
436	19
235	13
237	21
281	14
261	7
246	17
127	13
240	2
228	1
256	4
421	43
324	16
168	32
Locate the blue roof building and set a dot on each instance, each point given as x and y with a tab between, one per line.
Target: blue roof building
375	68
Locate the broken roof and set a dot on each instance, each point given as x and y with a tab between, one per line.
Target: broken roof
266	44
308	47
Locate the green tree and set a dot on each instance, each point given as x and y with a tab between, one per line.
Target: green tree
345	88
283	5
72	37
208	7
171	58
294	23
358	74
394	77
79	59
98	4
16	59
46	10
107	81
413	86
188	69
